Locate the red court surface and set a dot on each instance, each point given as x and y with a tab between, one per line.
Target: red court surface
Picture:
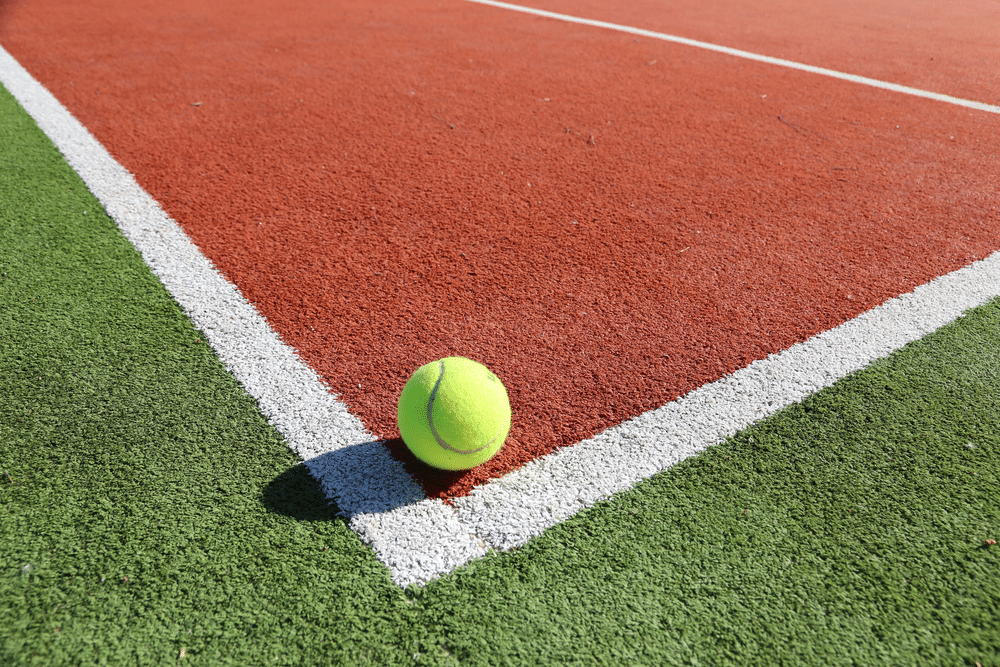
606	221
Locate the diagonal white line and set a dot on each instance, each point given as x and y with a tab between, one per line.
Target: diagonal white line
854	78
353	468
508	511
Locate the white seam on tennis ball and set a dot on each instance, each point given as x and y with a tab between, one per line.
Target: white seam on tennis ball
430	409
430	420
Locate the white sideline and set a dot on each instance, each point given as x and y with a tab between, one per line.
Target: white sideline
352	467
421	539
781	62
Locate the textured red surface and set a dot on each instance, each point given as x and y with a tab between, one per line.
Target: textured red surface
606	222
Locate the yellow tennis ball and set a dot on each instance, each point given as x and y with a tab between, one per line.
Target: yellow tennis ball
453	413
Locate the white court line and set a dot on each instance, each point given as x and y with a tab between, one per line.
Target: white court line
421	539
854	78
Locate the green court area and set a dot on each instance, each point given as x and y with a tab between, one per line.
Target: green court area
149	515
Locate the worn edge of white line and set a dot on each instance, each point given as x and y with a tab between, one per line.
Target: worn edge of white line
353	468
781	62
421	539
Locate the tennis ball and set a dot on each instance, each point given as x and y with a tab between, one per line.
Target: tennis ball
453	413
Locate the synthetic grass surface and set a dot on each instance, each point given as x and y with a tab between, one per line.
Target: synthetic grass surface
155	514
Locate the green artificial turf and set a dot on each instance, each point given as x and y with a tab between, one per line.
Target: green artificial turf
154	514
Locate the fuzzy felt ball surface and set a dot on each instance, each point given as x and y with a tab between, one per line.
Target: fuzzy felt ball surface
454	413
